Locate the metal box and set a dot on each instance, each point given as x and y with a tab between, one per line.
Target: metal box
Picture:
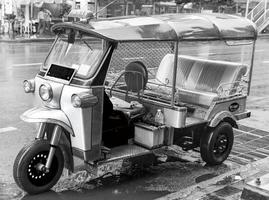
175	117
148	135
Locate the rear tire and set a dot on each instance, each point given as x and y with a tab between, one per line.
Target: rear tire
25	172
217	144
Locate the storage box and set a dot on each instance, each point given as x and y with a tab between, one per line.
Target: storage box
148	135
175	117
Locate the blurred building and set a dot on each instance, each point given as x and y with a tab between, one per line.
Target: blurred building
111	8
242	5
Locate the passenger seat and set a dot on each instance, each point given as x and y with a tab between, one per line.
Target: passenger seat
198	79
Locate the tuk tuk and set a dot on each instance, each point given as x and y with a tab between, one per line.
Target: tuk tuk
118	89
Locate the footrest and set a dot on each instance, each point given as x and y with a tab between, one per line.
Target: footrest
125	151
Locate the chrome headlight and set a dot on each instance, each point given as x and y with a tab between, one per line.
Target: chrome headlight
29	85
83	100
76	100
45	92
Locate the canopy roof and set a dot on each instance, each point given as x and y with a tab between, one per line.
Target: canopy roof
169	27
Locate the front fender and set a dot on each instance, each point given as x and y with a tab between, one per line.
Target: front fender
47	115
223	116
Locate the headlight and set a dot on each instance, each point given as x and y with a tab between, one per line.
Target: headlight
83	100
45	92
76	101
29	85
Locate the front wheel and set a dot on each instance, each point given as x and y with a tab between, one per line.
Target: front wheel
27	170
216	144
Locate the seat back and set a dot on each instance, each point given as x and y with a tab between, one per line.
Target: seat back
199	74
136	76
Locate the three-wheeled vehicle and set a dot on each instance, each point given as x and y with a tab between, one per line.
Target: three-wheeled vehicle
122	88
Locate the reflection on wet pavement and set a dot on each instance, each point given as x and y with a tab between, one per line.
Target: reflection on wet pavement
149	183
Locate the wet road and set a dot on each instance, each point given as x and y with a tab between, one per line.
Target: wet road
20	61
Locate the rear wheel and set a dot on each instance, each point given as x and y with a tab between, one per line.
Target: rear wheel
28	168
216	144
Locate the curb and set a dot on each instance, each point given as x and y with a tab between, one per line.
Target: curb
52	39
197	191
27	40
263	35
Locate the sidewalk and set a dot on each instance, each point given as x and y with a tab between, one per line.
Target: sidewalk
250	153
26	38
47	38
228	186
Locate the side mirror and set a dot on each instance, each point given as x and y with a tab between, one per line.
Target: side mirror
106	83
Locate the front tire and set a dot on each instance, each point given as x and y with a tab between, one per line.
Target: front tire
217	144
26	173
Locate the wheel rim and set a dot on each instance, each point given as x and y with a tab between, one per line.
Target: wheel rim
37	176
221	145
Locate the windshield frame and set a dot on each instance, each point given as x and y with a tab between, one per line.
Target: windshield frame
81	35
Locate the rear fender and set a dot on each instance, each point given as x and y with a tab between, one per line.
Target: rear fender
223	116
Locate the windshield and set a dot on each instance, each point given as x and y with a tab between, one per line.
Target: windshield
83	55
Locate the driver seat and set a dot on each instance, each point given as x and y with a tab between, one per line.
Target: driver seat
136	78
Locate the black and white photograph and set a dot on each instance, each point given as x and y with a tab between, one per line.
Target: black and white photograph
134	99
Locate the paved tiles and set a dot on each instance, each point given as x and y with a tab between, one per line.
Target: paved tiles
250	145
227	191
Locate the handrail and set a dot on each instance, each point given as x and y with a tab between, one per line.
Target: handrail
257	11
233	88
259	14
262	20
259	8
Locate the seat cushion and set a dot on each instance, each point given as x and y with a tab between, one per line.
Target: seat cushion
130	109
197	97
198	79
201	98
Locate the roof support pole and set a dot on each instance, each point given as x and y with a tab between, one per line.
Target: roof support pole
95	9
174	74
251	66
247	7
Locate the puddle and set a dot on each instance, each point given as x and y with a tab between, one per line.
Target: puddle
205	177
110	187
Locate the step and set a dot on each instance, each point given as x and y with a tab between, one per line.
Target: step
124	152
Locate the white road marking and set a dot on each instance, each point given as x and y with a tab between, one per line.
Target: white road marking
7	129
259	50
26	64
265	61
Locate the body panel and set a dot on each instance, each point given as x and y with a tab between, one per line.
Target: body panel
80	118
